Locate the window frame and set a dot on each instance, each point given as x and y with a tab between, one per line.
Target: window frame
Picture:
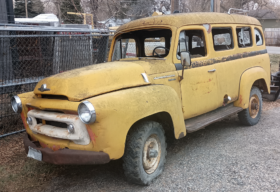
205	42
231	36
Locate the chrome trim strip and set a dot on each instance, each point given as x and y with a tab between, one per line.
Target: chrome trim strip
163	77
145	77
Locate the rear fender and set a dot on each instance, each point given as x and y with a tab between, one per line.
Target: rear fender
247	80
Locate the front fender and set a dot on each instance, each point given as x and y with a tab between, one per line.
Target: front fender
116	112
247	80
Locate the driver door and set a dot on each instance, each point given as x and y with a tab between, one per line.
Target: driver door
199	87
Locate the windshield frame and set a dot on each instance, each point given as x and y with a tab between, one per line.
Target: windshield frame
156	27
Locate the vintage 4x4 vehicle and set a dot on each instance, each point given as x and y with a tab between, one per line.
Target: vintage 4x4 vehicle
166	76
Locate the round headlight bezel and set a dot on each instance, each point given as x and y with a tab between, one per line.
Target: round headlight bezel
15	100
91	112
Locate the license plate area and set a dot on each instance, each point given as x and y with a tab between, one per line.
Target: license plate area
34	154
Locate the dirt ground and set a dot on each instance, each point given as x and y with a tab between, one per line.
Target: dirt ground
19	173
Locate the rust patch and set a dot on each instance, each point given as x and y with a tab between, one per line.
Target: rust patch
91	134
70	112
55	147
62	116
24	120
224	59
181	135
240	98
29	108
43	144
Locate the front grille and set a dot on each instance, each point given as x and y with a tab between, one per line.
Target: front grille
53	123
59	97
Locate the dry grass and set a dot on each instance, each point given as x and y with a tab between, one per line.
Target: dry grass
275	61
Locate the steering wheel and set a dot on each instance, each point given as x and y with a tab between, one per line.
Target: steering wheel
154	51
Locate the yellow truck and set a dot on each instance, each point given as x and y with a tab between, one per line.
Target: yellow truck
166	76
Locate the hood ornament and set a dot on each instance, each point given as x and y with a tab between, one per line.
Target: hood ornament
43	88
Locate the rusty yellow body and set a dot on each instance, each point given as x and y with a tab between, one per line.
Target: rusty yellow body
122	97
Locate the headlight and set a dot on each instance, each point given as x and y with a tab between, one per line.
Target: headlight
86	112
16	104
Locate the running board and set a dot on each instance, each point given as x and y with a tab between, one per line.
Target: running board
199	122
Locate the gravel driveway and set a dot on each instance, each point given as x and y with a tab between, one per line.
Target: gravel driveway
223	157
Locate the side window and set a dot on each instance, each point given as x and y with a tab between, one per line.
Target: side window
197	42
151	43
192	41
258	36
222	38
124	48
117	51
128	48
244	37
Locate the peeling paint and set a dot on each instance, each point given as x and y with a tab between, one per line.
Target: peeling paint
216	60
91	134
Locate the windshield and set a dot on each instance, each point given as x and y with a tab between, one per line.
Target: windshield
153	43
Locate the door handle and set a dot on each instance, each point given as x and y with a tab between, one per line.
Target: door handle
211	71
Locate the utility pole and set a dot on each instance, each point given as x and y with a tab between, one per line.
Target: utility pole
215	6
57	5
174	5
26	11
59	12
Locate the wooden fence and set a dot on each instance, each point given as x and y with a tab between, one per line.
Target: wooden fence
272	37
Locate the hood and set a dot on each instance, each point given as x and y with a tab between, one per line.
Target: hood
93	80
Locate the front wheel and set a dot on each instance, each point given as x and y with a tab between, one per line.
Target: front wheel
145	153
252	114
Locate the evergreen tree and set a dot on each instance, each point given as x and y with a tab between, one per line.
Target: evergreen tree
34	8
68	6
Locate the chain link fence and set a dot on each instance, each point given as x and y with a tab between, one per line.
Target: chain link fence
28	56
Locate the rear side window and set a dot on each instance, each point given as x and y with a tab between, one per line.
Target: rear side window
222	38
258	36
244	37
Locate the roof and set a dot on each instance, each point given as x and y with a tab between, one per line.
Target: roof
182	19
263	14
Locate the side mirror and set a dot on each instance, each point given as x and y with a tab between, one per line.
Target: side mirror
185	58
185	61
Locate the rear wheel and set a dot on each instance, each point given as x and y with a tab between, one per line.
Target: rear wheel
145	153
252	114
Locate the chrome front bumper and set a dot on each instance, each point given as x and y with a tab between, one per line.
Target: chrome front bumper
80	135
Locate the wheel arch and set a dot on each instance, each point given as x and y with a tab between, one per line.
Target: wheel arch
255	76
164	118
261	84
